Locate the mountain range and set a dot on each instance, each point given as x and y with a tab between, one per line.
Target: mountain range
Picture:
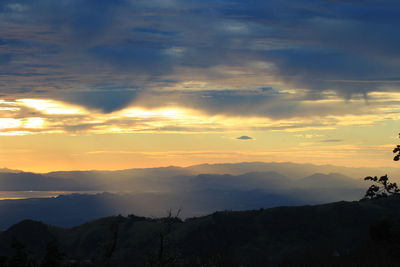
80	196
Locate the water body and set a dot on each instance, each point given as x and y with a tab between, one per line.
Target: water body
39	194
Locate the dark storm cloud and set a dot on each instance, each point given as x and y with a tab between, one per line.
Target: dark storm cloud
136	58
258	103
105	100
70	47
330	40
86	19
329	70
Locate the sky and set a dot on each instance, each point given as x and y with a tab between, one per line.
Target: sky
116	84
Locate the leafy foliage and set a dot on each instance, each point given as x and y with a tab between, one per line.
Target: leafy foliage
397	150
382	188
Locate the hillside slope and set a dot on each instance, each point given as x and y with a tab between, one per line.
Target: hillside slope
335	234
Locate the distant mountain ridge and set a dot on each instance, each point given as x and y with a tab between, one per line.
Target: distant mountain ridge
198	190
7	170
143	179
164	182
290	169
25	181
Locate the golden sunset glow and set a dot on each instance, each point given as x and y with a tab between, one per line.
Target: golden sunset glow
34	123
50	107
58	117
161	113
8	123
148	137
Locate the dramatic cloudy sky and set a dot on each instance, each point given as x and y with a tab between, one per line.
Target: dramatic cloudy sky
111	84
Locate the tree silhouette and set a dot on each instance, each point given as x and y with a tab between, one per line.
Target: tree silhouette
397	151
382	187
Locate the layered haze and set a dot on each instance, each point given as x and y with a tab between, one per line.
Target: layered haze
68	198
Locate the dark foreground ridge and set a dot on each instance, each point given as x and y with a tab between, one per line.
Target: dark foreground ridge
364	233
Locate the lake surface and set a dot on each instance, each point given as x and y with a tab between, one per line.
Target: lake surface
39	194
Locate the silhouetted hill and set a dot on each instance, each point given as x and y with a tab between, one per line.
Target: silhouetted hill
335	234
35	236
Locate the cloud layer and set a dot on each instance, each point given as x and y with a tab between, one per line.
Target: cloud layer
277	59
158	114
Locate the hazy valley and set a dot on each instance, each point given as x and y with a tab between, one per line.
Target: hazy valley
74	197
